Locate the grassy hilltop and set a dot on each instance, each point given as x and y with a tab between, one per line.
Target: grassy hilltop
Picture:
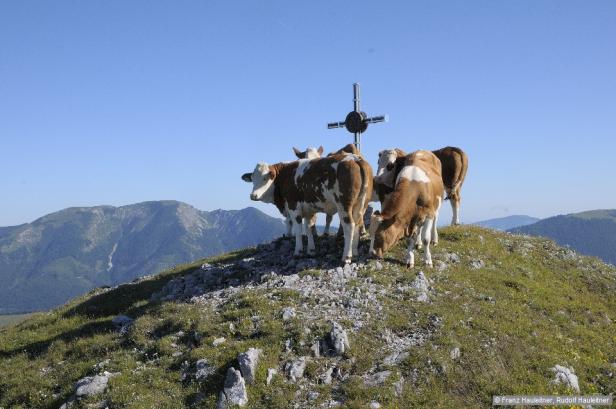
500	311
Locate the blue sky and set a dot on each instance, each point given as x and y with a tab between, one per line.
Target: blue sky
117	102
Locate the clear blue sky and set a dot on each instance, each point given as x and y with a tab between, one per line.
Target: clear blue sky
116	102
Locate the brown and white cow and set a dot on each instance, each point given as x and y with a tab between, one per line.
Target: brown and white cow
454	165
411	208
454	162
313	153
309	153
341	183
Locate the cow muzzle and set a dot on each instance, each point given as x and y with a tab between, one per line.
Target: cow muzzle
254	196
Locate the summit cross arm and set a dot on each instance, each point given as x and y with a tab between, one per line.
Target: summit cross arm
357	121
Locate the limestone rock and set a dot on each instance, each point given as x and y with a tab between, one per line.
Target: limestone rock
477	264
565	376
377	379
422	287
313	395
234	392
451	258
204	370
326	377
92	385
270	375
288	313
316	349
295	370
395	358
338	339
248	364
399	386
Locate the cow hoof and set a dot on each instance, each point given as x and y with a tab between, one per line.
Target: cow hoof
347	260
409	264
429	265
312	253
434	243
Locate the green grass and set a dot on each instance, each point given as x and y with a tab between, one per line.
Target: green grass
525	311
12	319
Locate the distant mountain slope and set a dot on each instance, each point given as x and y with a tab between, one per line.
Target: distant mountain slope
509	222
64	254
592	232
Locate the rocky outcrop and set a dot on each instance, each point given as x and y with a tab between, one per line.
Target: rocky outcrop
92	385
234	392
295	369
338	340
248	362
204	370
565	376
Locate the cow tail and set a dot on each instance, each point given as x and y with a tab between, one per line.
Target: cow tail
455	191
363	192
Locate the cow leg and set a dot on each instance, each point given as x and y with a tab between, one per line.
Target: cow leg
418	245
410	256
414	238
357	227
289	224
308	228
328	222
426	235
356	241
348	228
455	209
296	219
313	226
434	239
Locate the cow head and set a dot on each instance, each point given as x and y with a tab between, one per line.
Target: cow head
384	233
309	153
387	163
262	179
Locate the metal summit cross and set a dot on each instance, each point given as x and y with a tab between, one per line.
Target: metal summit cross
357	121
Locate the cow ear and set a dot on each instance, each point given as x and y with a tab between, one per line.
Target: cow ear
247	177
271	174
297	152
320	150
